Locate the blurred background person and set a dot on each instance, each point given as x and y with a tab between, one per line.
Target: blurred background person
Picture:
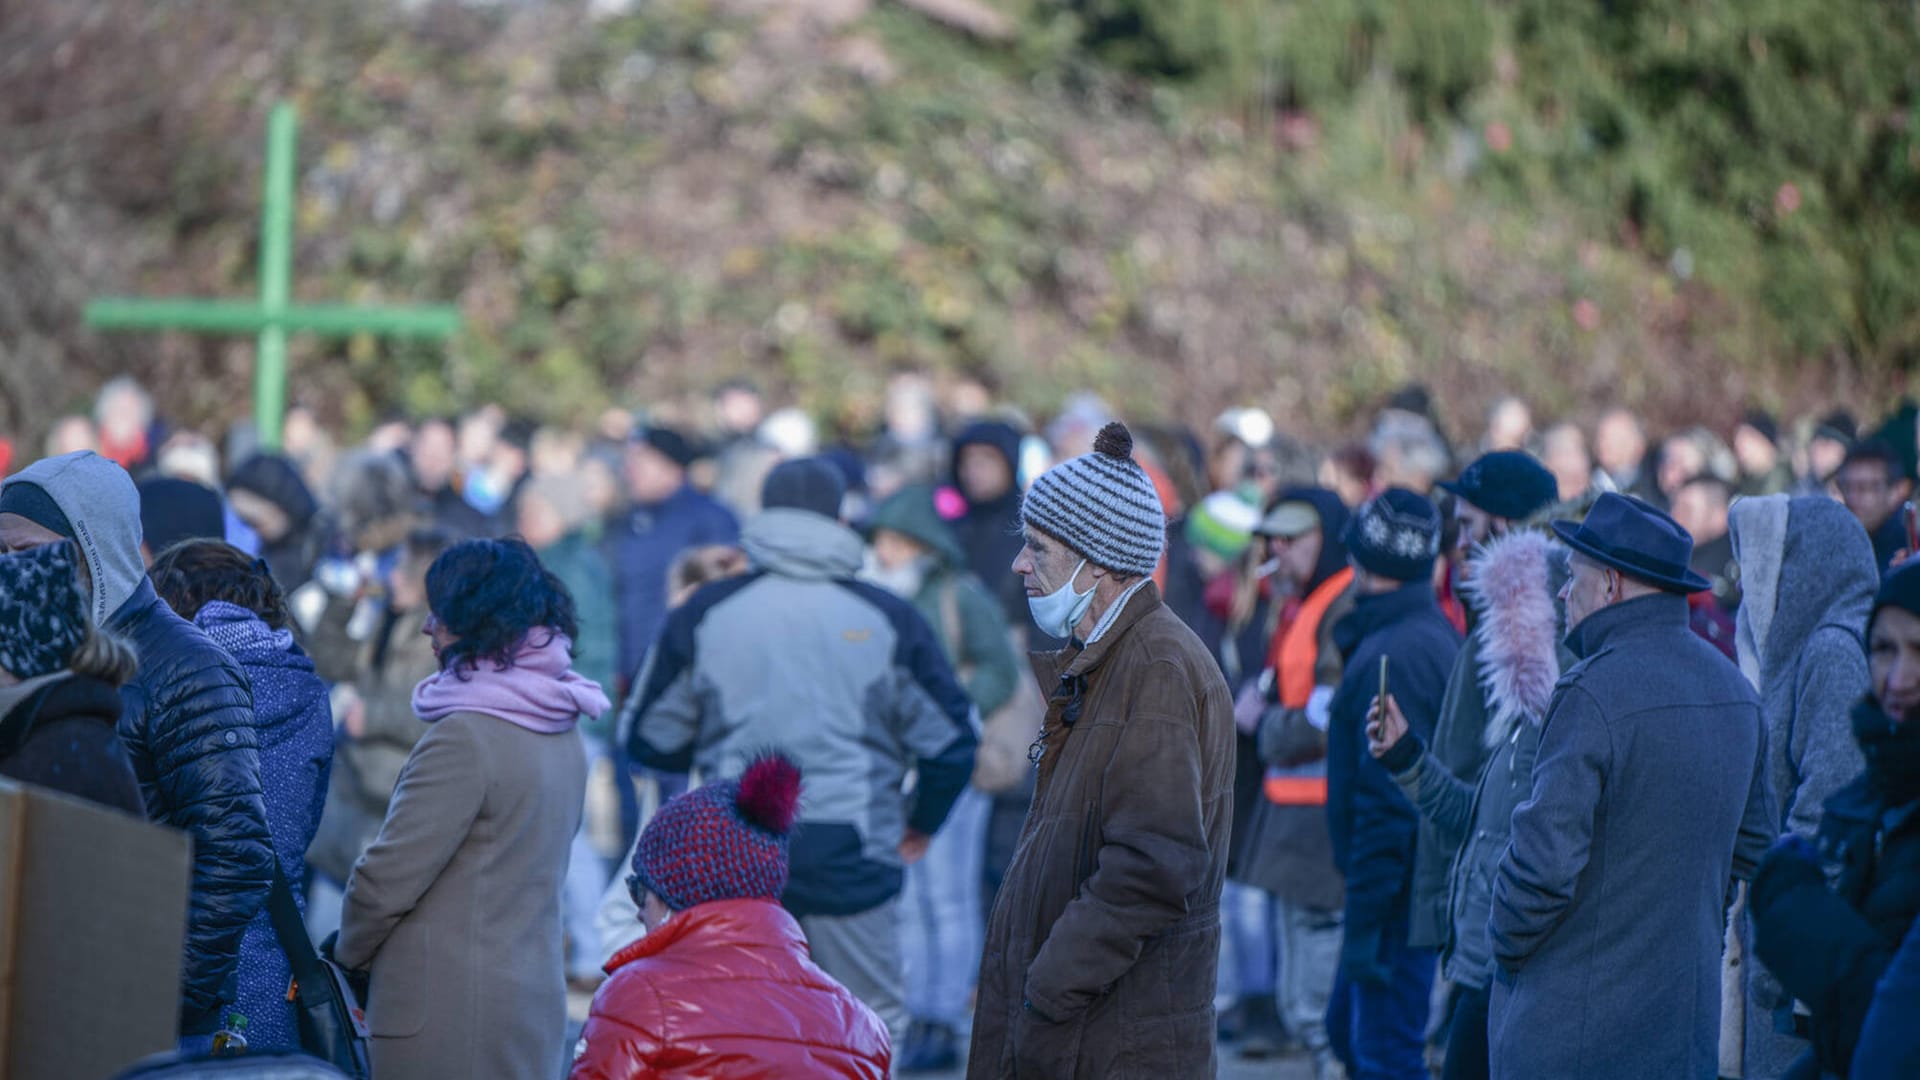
915	557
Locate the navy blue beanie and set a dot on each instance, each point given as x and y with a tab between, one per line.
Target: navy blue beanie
811	484
1507	484
1900	589
1396	534
31	501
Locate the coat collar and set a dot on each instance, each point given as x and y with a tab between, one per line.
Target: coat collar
1079	659
733	923
1372	613
1625	621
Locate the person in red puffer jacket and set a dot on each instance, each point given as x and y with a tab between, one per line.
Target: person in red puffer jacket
721	987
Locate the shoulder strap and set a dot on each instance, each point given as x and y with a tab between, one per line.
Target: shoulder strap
284	913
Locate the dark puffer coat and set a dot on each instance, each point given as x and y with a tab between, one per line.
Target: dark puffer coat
58	732
1828	947
188	726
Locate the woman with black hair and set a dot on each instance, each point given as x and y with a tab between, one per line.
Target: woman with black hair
234	598
455	909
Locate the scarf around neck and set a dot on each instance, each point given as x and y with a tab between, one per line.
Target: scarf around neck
1892	751
538	691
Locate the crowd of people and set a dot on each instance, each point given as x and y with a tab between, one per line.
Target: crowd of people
1067	750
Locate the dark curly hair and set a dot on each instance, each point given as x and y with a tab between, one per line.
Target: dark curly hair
491	594
194	573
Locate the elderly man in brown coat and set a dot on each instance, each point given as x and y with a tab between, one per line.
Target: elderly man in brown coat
1102	947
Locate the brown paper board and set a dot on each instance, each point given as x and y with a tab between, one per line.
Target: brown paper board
93	911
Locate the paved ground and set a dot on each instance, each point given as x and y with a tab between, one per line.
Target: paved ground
1298	1067
1232	1068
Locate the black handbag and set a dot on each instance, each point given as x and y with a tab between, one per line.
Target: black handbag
332	1025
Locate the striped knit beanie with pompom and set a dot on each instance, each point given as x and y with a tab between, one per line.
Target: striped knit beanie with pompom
1102	505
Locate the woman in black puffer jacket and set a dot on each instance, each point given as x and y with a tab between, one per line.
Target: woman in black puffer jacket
1829	947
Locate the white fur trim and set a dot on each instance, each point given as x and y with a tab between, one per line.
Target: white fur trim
1511	587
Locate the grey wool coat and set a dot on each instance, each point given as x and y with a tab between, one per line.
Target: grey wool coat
456	907
1649	796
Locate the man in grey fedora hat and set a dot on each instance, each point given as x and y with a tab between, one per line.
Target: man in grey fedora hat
1649	796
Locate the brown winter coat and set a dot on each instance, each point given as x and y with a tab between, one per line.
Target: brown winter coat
1101	951
456	907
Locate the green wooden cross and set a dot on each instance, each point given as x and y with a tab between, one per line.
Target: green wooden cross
274	315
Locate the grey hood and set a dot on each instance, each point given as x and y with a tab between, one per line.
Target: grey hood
103	507
803	545
1805	563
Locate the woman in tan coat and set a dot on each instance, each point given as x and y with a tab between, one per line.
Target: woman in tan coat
455	909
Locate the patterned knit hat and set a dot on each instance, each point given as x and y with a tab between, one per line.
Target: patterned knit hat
1102	505
1396	534
43	613
723	841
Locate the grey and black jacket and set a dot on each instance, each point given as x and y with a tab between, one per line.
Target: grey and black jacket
844	676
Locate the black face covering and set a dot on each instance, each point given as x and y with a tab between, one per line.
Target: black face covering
1892	751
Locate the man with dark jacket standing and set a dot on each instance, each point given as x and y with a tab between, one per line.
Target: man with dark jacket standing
1105	937
986	470
664	517
1649	796
1496	494
847	678
1378	1017
187	721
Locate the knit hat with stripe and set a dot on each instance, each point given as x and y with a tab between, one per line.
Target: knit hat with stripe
1102	505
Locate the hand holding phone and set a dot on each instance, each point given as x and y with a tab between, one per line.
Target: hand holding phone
1376	714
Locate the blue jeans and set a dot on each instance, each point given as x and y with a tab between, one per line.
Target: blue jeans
1247	945
940	928
586	879
1380	1032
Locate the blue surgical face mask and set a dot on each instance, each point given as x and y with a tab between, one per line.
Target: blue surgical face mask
1058	612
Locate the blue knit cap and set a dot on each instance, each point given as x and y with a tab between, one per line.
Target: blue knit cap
1396	534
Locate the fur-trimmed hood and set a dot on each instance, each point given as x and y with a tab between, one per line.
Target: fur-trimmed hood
1512	586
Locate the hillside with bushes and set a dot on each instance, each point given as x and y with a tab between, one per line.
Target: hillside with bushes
1180	204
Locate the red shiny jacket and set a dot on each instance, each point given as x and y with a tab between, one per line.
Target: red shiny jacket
725	991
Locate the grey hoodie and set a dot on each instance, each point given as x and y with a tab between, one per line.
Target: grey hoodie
1807	571
103	507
